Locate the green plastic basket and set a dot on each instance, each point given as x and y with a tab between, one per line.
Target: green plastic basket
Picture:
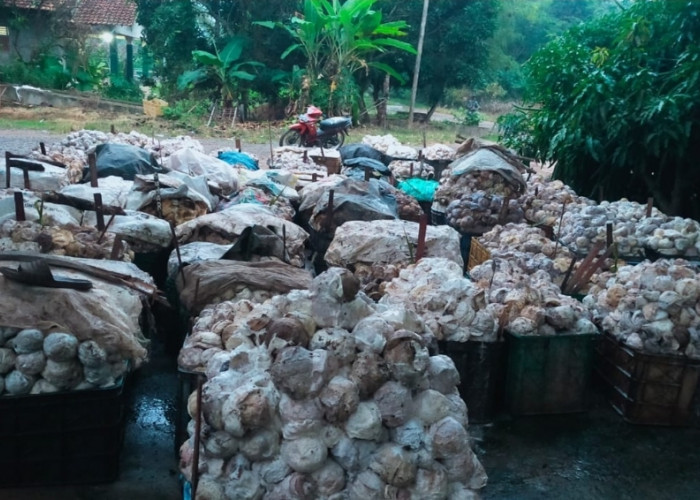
549	374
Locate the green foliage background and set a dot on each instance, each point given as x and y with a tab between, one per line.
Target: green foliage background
616	104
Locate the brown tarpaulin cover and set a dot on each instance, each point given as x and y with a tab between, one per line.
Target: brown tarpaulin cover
108	313
215	276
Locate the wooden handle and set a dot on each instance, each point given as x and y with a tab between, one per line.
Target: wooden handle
422	228
329	210
197	437
116	248
19	206
8	169
98	212
92	164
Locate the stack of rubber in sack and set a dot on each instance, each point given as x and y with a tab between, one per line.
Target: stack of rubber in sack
324	394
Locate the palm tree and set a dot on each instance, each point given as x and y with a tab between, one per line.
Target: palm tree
223	68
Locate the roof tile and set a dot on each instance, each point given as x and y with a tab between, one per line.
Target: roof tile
91	12
108	12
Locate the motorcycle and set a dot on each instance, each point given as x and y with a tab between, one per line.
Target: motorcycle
331	132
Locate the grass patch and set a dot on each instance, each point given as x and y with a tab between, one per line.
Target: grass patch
66	120
43	125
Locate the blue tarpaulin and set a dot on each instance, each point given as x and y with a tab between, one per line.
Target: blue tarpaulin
420	189
236	158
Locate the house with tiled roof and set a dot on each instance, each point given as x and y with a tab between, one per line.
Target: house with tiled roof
23	26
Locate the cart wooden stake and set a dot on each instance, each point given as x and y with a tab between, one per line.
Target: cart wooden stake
589	265
92	164
503	213
329	210
196	291
98	212
561	218
104	231
568	273
271	162
116	248
422	228
19	206
176	244
284	243
197	437
588	272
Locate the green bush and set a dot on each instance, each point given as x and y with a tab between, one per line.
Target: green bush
616	104
123	90
468	117
44	72
456	97
187	108
512	81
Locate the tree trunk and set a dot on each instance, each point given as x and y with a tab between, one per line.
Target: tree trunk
381	102
362	112
375	99
430	112
416	71
245	103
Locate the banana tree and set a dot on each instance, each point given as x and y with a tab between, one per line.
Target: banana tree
339	39
222	68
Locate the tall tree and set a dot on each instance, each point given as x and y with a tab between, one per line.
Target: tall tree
524	27
616	104
456	42
419	56
171	33
224	69
339	40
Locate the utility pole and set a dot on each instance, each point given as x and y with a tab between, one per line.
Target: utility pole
416	70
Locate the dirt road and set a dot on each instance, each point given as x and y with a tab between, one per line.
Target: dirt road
24	141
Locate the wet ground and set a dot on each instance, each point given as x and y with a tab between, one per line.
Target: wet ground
148	467
587	456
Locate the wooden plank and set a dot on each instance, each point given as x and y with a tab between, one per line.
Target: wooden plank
80	204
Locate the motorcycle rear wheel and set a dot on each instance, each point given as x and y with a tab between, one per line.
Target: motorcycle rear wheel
333	141
291	138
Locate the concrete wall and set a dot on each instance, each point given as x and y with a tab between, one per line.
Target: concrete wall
30	96
27	42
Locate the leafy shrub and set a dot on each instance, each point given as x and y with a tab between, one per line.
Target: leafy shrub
616	104
123	90
44	72
185	109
